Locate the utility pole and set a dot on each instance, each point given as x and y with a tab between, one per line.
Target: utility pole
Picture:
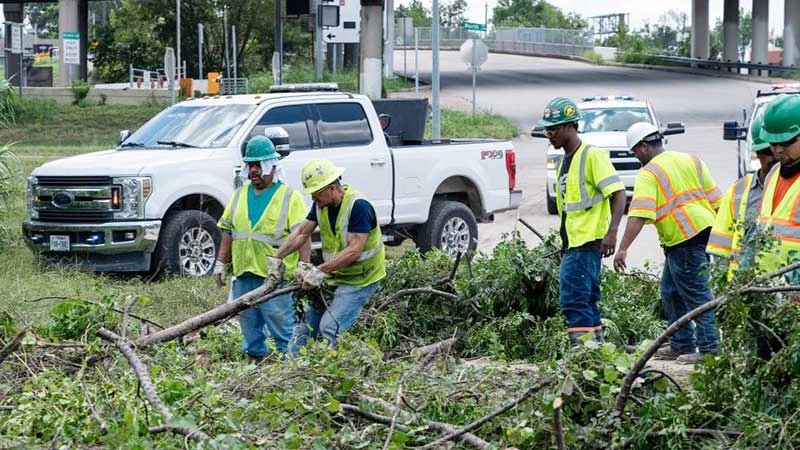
178	46
278	42
388	53
225	34
318	35
436	132
235	49
200	52
370	42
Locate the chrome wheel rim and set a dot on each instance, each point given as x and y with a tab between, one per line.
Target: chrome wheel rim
456	236
197	252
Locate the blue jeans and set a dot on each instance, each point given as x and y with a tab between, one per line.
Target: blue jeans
579	285
343	311
275	316
684	287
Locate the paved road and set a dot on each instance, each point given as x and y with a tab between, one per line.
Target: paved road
519	87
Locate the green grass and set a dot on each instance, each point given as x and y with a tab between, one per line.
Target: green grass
347	80
457	124
593	56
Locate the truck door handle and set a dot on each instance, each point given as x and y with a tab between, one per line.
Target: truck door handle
377	162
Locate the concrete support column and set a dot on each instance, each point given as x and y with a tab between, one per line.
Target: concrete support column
791	33
371	45
730	31
13	12
760	25
388	48
701	39
73	16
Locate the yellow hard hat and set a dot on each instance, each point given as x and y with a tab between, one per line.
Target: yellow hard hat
319	173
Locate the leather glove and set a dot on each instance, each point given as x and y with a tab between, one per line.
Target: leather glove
300	272
220	269
313	278
275	270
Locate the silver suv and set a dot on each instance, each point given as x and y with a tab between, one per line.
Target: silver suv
733	131
604	122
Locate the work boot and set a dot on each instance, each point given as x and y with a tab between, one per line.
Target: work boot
598	336
668	354
575	337
692	358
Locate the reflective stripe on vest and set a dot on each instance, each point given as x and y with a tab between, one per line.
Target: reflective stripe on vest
345	222
585	201
277	239
727	232
784	222
674	200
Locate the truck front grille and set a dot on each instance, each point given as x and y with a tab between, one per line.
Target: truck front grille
73	181
83	216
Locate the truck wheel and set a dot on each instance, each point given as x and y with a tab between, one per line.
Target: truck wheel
451	226
188	244
552	208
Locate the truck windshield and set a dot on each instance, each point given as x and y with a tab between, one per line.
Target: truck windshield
611	119
187	126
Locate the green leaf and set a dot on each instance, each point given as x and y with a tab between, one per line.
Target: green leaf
589	375
399	438
333	405
610	374
605	390
661	385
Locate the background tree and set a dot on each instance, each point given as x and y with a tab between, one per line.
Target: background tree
538	13
43	18
452	13
420	15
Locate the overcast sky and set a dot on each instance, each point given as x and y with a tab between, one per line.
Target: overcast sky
641	12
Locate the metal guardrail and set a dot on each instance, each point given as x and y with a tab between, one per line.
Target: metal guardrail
149	79
729	65
512	40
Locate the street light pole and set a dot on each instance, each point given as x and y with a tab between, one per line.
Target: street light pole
178	46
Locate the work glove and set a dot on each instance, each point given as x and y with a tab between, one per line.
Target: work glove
220	269
275	270
300	272
313	278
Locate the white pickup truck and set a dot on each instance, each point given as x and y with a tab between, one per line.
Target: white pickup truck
152	203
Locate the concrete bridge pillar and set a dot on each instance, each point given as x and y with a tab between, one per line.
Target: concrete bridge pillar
701	39
730	31
760	26
73	17
791	33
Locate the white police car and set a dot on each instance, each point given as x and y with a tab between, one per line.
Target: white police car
604	122
733	131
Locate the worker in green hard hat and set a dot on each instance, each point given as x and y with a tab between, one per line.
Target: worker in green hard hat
590	198
257	220
740	205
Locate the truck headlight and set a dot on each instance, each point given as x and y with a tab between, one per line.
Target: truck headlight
131	197
553	161
31	197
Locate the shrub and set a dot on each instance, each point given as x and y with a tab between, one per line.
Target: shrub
9	104
593	56
80	89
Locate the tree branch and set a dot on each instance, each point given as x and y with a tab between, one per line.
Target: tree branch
530	227
253	298
478	423
423	290
144	380
12	346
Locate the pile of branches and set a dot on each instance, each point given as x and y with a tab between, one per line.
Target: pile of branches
96	374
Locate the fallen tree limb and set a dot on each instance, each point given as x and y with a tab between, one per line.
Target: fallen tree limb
253	298
147	386
12	346
627	384
126	315
700	432
530	227
661	374
467	438
432	351
558	426
478	423
422	290
398	400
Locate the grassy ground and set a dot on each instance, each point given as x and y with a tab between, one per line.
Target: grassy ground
347	80
46	131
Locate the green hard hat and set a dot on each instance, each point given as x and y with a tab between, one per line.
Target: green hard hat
560	110
259	148
781	119
759	144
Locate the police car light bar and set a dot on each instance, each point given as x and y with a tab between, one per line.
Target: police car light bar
608	97
304	87
786	86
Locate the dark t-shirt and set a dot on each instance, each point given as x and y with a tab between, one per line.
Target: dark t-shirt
362	217
561	185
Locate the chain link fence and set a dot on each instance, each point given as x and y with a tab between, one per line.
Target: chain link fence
526	41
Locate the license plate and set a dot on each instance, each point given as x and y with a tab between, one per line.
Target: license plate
59	243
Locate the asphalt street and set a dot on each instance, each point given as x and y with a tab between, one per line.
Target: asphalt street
519	87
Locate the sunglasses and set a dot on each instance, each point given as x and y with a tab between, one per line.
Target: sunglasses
787	143
551	131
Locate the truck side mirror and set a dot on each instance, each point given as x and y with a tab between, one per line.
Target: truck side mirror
279	138
674	128
385	120
731	131
123	135
538	132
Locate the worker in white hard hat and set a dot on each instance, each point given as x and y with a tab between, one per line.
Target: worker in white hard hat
675	192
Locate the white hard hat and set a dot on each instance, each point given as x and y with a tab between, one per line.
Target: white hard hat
639	131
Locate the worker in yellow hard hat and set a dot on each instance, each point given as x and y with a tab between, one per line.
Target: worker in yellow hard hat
352	251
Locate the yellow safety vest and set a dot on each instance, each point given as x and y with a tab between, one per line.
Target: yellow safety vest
728	230
253	244
370	266
784	223
676	192
590	180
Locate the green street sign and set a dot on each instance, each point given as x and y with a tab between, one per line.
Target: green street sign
472	26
